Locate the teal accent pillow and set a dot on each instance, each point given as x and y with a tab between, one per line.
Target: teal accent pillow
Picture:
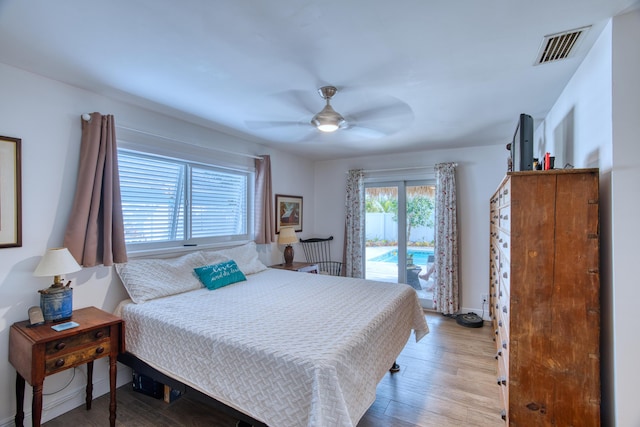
218	275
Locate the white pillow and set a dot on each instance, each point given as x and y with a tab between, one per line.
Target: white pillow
147	279
246	256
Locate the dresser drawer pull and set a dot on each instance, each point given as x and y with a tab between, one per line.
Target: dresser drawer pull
503	415
500	323
497	332
505	245
99	334
100	350
59	363
498	354
505	275
60	345
504	309
502	381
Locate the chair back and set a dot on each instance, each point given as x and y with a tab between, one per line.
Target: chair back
318	251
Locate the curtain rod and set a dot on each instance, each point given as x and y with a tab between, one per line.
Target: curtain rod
401	169
396	169
86	117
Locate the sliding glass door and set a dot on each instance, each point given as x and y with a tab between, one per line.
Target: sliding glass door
399	234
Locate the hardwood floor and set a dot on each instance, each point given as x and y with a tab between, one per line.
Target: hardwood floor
447	379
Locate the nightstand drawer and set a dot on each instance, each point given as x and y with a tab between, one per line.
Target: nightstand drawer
78	356
71	343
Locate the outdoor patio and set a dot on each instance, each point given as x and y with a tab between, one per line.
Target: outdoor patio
388	272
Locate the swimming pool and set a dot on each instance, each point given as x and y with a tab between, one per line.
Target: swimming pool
420	256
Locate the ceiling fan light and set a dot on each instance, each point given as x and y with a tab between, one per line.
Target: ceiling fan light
327	120
328	127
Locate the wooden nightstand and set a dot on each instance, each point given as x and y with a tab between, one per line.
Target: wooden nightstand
304	267
40	351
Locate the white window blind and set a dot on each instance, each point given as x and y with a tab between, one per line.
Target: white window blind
219	203
171	201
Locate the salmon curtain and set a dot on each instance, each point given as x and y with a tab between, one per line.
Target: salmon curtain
264	213
95	231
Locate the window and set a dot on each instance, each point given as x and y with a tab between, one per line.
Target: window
169	202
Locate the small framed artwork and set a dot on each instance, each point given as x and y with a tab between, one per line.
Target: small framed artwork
10	193
288	212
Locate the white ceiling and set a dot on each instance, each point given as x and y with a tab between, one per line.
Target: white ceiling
454	73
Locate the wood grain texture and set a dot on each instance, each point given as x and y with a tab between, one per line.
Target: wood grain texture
447	379
545	297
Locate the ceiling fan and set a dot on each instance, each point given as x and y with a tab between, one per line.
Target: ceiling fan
328	120
383	116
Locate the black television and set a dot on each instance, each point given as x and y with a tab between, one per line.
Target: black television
522	144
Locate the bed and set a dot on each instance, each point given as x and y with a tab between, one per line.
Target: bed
284	348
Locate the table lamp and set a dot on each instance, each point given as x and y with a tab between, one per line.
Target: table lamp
287	237
56	301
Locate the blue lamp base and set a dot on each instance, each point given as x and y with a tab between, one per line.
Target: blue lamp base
56	303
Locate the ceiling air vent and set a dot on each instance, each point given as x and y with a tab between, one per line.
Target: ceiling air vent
560	46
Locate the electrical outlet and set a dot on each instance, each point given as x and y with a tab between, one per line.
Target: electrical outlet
485	298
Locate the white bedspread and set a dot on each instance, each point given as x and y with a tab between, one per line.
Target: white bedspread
286	348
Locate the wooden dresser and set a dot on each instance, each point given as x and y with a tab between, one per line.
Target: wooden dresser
545	297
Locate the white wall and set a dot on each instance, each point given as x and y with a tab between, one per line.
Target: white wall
595	120
480	170
625	196
46	115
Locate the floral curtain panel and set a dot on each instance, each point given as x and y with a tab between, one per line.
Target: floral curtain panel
354	224
445	295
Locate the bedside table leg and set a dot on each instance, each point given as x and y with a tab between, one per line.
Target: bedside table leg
89	392
19	400
112	385
36	405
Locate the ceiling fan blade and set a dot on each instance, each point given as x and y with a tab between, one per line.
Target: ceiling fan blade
302	100
386	118
385	111
267	124
364	132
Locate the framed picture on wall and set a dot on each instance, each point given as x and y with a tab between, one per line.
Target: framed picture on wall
288	212
10	193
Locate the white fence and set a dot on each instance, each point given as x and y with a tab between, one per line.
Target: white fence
381	226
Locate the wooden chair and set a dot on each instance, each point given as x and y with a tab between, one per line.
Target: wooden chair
318	251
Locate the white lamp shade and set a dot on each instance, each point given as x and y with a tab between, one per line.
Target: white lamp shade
287	236
56	261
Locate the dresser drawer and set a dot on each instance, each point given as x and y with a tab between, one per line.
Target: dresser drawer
71	343
504	388
505	194
504	273
502	342
77	355
504	242
504	218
